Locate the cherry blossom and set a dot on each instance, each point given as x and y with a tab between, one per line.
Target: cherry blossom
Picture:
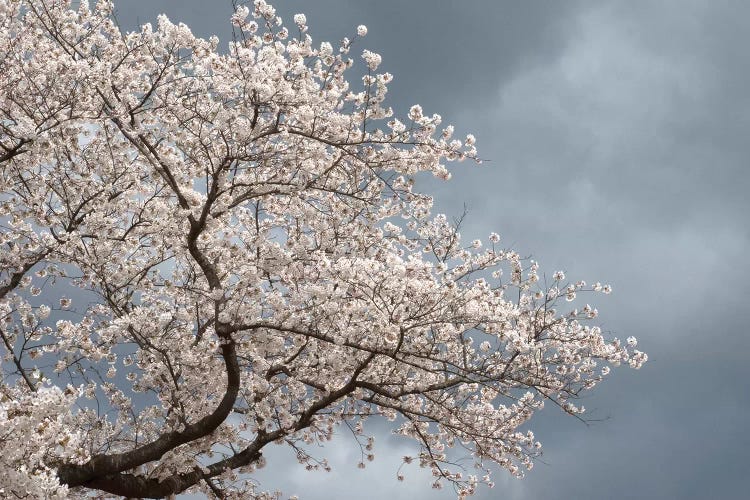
207	249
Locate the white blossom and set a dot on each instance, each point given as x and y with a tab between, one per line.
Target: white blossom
372	59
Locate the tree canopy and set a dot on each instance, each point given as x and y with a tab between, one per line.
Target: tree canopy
204	250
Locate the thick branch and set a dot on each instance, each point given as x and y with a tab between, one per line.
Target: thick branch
130	485
102	466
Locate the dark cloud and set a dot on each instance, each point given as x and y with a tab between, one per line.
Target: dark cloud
616	135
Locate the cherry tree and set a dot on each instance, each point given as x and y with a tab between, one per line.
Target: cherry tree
205	250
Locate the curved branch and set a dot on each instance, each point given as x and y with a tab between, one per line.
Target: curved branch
102	466
130	485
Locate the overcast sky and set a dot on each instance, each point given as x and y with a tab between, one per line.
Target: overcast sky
617	139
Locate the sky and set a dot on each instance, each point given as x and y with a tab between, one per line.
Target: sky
615	140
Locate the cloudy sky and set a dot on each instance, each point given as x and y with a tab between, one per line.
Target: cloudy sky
616	136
